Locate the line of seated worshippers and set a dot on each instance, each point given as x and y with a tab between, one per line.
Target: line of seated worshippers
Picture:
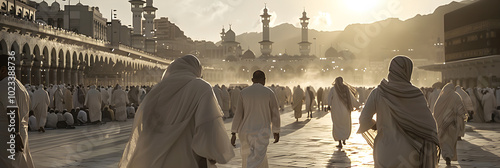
58	119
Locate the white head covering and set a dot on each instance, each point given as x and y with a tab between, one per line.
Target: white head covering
153	120
408	104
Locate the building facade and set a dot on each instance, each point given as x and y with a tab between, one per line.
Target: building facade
472	45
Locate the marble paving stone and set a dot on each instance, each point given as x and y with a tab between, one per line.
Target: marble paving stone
307	143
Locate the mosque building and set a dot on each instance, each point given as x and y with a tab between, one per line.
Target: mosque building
472	46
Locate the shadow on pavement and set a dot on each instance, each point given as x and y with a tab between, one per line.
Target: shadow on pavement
319	114
474	155
339	159
292	127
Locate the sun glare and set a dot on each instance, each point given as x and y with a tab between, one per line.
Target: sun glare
360	5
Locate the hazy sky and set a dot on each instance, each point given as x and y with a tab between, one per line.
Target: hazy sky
203	19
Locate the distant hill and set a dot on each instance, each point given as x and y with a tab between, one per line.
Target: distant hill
374	41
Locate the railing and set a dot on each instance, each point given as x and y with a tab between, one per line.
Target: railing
59	32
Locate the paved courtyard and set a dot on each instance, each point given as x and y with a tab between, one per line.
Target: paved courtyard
307	143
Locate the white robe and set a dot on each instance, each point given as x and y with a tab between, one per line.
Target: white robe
433	98
309	100
32	123
76	103
281	96
226	100
489	105
51	94
298	99
256	113
40	106
497	93
478	115
119	100
289	95
390	142
68	99
52	120
235	95
467	103
341	116
59	100
325	97
110	92
465	99
447	110
82	116
93	102
178	124
68	117
105	97
22	159
218	95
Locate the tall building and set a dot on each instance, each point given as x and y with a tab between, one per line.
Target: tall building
149	16
265	44
118	33
85	20
472	45
170	39
137	35
148	27
52	15
231	48
304	45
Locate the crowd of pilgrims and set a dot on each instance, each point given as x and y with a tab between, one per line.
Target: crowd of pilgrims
66	106
436	115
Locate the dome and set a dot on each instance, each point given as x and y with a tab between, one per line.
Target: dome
43	6
230	35
55	6
248	55
331	53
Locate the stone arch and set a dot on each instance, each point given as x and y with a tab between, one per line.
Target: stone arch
15	47
3	47
92	60
26	54
76	60
60	59
67	60
45	56
36	54
84	61
53	58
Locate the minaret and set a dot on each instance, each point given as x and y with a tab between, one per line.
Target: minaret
149	15
137	38
222	34
137	6
304	45
265	44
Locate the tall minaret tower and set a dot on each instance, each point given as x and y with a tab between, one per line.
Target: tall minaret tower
304	45
137	37
149	15
265	44
223	34
137	6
